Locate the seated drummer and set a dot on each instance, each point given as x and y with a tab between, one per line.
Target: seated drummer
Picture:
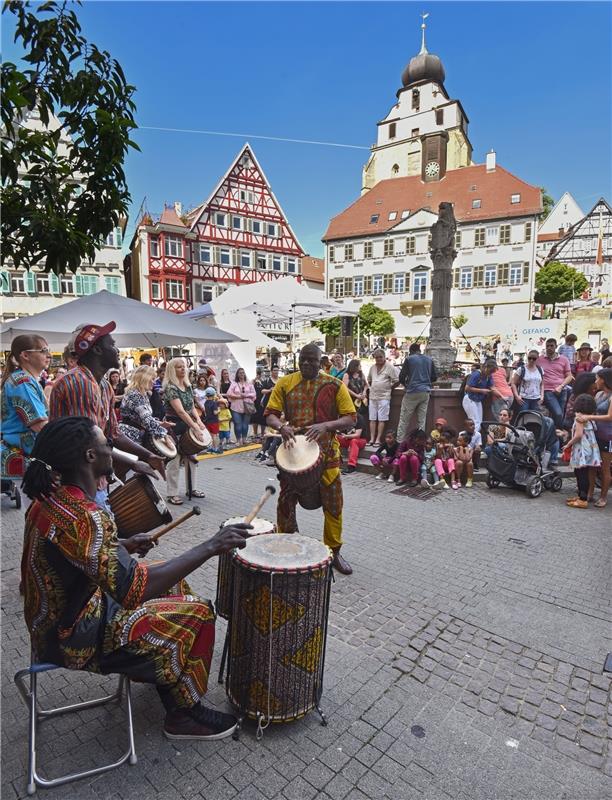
313	400
89	605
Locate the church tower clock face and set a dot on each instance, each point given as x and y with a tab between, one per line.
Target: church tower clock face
432	169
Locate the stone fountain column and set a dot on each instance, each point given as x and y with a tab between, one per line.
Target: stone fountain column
443	254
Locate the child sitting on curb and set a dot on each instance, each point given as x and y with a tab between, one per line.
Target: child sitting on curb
410	456
385	457
428	467
445	460
463	461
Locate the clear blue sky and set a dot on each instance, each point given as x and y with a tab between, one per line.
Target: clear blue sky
534	79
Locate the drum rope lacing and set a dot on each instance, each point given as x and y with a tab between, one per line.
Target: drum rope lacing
260	717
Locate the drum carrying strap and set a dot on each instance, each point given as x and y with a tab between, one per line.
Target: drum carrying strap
261	725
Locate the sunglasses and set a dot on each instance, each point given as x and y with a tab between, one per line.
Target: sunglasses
44	350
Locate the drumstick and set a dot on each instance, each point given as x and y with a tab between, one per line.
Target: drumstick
270	490
183	518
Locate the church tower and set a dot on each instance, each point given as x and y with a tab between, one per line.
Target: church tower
425	133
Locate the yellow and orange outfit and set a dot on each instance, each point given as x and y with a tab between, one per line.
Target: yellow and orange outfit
305	403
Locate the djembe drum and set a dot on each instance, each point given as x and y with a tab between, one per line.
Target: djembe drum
161	446
302	466
278	627
138	506
190	443
223	602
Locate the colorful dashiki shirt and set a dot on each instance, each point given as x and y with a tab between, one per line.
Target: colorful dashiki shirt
305	402
78	394
23	403
84	609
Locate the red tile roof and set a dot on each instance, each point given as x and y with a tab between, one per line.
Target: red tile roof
312	269
494	190
170	217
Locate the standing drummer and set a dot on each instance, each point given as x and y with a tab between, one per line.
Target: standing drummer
85	392
314	400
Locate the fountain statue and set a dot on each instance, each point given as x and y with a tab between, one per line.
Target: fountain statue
443	254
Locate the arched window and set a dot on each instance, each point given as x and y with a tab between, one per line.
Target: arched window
395	169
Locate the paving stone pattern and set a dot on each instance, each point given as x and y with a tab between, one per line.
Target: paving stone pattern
464	661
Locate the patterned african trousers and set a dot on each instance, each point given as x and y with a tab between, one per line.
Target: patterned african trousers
331	501
167	641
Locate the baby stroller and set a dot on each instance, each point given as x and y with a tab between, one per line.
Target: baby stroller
11	490
522	460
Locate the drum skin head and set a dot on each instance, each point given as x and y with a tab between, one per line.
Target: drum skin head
260	525
283	551
301	456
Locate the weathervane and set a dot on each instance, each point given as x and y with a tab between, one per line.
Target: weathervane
423	16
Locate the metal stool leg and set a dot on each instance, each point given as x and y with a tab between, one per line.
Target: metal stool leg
36	715
224	655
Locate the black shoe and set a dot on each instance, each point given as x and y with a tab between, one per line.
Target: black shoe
199	722
349	470
341	564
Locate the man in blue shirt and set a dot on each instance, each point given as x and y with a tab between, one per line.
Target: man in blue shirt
417	375
477	389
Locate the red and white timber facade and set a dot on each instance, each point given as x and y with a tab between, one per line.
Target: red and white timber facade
239	235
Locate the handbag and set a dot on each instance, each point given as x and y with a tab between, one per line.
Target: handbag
249	407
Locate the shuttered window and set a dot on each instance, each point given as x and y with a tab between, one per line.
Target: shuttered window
348	252
478	276
504	234
388	283
479	237
348	287
410	245
528	228
526	272
367	285
30	282
5	282
367	249
456	273
55	283
503	274
389	248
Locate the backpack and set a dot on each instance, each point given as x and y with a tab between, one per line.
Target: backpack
521	372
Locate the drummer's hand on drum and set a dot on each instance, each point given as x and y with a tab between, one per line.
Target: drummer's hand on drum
314	432
286	431
168	425
142	468
158	464
139	543
229	537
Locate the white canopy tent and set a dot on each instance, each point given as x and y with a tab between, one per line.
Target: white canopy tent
283	300
138	324
236	354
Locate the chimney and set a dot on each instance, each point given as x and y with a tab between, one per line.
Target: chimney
178	207
491	161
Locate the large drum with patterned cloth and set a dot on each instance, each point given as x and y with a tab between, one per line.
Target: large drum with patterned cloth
223	602
278	626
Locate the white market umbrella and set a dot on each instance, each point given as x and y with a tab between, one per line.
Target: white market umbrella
280	300
138	324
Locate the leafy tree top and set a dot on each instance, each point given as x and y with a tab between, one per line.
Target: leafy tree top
64	187
556	283
373	321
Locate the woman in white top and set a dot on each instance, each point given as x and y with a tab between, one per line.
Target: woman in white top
528	384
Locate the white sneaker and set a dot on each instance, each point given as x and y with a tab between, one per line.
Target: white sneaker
390	479
425	483
379	477
443	485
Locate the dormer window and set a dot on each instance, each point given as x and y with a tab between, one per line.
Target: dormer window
392	215
392	130
515	198
475	203
374	219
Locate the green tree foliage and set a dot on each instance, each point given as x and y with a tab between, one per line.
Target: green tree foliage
64	189
374	321
328	327
548	203
459	321
558	283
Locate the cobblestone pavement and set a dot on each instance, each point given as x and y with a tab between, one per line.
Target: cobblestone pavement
465	660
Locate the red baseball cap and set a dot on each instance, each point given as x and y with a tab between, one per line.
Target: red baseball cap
89	335
441	421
